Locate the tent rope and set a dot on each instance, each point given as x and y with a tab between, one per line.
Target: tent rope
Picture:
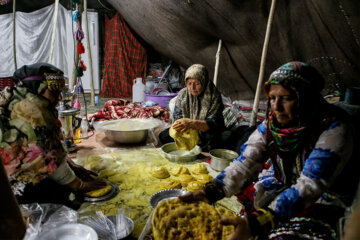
217	62
89	55
56	11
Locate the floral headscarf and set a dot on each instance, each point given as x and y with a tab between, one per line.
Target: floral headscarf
306	82
39	76
204	106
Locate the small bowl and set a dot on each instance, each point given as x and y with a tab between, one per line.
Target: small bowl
221	158
165	195
173	154
74	231
130	226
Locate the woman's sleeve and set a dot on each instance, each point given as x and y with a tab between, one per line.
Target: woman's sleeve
332	151
247	165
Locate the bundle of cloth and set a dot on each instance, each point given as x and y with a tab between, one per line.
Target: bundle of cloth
121	108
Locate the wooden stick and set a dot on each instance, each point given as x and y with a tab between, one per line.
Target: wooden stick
56	11
217	57
89	55
262	65
14	33
76	62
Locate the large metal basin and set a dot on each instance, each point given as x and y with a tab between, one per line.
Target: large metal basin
173	154
128	131
221	158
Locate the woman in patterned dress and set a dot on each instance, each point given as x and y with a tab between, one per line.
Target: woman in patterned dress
30	139
312	178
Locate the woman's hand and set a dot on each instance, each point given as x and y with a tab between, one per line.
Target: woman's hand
92	185
242	230
183	125
198	195
82	173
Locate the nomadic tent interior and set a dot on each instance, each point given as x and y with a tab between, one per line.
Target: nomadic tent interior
256	37
323	33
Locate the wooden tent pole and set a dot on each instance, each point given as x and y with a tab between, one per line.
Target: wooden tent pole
262	65
217	62
14	33
76	62
89	55
56	11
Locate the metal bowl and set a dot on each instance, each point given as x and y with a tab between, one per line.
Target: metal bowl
74	231
128	131
221	158
123	229
173	154
165	195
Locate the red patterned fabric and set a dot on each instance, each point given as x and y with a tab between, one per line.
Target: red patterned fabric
125	59
120	108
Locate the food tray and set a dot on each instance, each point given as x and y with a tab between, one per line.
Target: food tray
113	192
165	195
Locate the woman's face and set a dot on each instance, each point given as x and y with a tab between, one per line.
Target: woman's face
194	86
283	104
53	97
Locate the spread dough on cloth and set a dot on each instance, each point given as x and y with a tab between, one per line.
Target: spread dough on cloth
174	219
198	168
100	192
186	140
179	170
160	172
170	184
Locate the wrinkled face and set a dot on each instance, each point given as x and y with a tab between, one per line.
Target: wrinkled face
194	86
283	104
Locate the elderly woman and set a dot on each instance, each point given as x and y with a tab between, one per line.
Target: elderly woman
310	144
30	138
201	103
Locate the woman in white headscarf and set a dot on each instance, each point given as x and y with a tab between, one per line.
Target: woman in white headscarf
200	102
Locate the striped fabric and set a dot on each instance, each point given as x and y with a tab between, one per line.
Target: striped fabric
125	59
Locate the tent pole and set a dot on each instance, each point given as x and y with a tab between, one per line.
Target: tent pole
14	33
76	62
217	62
56	11
89	55
262	65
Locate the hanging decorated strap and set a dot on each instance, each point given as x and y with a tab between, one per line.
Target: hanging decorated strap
81	48
79	34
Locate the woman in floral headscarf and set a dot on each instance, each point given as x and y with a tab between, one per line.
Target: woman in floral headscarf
30	138
311	147
201	104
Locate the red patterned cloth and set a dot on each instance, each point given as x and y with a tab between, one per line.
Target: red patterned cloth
125	59
120	108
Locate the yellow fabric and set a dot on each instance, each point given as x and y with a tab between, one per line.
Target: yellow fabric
186	140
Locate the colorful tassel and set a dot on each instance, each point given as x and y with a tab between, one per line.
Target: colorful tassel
77	104
80	89
75	16
82	65
79	72
79	34
80	48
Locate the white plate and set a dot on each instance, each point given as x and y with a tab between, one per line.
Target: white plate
70	231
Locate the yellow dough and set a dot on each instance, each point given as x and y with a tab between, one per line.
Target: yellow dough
170	184
194	185
186	140
100	192
185	179
178	220
160	172
204	178
198	168
178	170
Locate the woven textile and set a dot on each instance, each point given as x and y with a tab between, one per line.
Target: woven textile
125	59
